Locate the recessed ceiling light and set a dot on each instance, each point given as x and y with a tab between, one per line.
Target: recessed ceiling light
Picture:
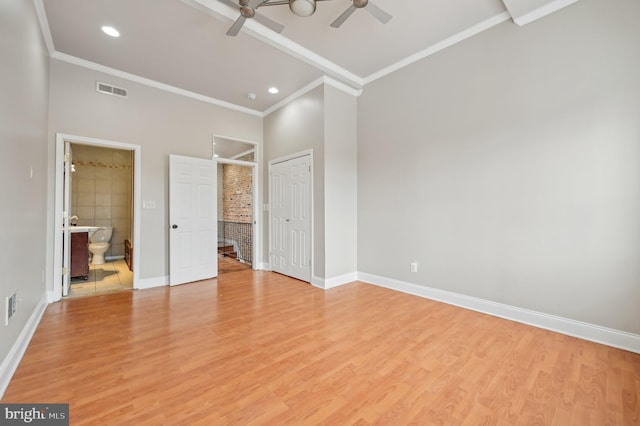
110	31
273	90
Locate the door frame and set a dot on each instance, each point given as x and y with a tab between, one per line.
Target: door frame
257	227
309	153
66	205
58	220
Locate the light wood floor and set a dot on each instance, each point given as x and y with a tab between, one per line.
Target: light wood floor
259	348
229	264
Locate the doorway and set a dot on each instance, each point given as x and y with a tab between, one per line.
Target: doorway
237	203
101	185
97	189
235	215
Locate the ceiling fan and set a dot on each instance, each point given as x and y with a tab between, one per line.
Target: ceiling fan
248	8
374	10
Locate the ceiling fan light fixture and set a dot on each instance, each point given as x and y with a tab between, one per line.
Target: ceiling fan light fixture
302	7
247	12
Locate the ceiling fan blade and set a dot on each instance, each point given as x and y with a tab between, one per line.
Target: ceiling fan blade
340	20
235	28
378	13
255	3
269	23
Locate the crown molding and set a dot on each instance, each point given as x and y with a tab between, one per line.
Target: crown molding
341	86
315	83
53	53
541	11
441	45
309	87
44	25
334	75
151	83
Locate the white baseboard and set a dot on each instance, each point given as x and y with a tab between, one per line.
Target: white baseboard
145	283
263	266
594	333
327	283
317	282
13	358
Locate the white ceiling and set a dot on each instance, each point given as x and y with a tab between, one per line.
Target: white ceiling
182	43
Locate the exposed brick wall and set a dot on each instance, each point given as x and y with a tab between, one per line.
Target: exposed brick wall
238	198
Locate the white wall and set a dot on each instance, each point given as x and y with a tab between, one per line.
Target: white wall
23	147
340	182
161	123
296	127
507	166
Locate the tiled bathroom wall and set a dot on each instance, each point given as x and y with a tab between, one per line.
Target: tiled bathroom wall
101	191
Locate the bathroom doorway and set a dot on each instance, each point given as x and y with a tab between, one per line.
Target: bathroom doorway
96	204
101	197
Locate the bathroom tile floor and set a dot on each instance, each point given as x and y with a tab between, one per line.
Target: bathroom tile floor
109	277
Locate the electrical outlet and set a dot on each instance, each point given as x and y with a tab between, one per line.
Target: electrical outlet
414	266
11	307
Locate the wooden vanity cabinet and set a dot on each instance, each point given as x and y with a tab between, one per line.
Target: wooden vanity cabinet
128	254
80	255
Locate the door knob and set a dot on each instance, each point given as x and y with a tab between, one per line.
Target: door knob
174	226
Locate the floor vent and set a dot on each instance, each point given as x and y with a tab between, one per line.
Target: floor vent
108	89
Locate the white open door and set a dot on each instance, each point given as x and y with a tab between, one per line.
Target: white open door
66	233
192	219
290	207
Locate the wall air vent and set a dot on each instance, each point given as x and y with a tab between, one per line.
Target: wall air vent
108	89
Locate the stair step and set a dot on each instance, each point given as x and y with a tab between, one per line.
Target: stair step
228	251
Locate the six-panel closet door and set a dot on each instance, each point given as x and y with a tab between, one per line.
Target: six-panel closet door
290	212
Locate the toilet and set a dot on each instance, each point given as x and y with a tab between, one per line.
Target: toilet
99	244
